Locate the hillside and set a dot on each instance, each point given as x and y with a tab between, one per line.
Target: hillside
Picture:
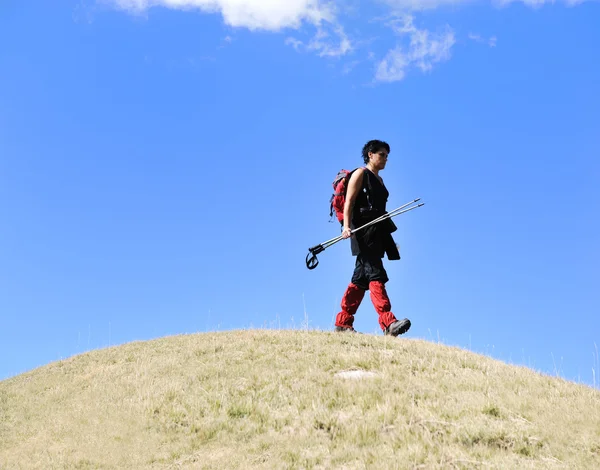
275	399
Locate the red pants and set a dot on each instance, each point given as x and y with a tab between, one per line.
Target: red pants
354	296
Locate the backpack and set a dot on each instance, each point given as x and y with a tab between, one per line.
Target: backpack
338	198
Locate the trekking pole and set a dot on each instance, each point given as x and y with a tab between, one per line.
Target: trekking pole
391	214
311	257
387	215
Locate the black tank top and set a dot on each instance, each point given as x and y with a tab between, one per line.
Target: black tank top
371	201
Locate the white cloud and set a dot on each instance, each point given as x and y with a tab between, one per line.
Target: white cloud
416	48
422	5
295	43
477	38
537	3
349	67
418	5
272	15
326	47
323	44
422	51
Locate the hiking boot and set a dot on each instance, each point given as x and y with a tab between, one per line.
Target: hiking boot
397	328
341	329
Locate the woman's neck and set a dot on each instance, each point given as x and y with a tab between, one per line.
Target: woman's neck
373	169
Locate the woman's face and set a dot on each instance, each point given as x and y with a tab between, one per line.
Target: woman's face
378	159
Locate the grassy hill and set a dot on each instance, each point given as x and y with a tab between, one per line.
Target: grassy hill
276	399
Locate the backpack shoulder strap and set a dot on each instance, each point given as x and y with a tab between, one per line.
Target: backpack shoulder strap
367	171
368	189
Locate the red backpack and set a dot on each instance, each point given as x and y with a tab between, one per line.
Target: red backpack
338	198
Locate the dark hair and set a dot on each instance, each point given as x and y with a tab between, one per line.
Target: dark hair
374	146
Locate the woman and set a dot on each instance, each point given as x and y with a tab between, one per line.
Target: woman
366	199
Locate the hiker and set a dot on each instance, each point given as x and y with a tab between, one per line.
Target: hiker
366	199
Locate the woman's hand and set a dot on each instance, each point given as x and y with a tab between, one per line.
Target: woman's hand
346	233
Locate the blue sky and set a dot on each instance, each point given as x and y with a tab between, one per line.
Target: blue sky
164	169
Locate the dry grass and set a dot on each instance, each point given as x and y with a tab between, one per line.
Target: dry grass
271	399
